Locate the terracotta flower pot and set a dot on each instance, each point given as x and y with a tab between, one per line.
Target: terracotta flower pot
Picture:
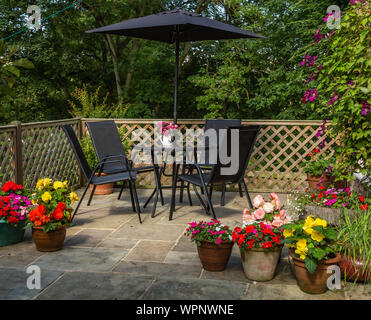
315	283
48	241
10	234
102	189
259	265
215	257
354	270
314	181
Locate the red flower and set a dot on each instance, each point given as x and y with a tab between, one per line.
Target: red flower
249	229
6	199
361	198
334	196
267	244
250	243
316	150
13	220
11	186
364	207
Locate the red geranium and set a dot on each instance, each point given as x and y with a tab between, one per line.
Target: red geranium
361	198
11	186
364	207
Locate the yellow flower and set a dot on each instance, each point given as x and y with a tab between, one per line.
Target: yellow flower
288	233
65	184
302	245
47	182
73	197
317	236
40	184
46	197
58	185
302	254
309	223
320	222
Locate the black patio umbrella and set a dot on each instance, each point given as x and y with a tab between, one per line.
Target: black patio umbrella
176	26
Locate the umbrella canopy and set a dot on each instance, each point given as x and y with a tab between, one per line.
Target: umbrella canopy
176	26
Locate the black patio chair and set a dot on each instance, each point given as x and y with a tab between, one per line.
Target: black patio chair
208	178
216	124
107	142
92	178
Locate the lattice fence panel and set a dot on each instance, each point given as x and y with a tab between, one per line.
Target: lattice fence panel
7	154
47	153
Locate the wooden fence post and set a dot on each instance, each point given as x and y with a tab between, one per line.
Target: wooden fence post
18	152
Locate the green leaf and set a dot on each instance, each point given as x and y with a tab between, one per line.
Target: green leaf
310	264
24	63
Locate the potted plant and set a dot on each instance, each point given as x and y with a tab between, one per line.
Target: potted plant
329	204
260	247
311	242
353	243
318	168
14	207
51	215
214	243
165	128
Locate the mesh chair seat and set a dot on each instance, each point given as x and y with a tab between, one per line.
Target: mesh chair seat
195	178
113	177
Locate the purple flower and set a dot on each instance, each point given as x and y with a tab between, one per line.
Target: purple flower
365	108
317	36
333	99
310	95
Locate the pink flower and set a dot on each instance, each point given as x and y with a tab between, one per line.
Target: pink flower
259	214
248	218
283	214
258	201
274	196
276	204
268	207
218	241
277	222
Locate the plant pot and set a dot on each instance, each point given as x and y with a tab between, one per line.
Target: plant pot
259	265
354	270
214	257
315	283
102	189
333	216
10	234
313	181
48	241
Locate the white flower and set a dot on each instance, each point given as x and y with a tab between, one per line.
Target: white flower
268	207
217	229
230	237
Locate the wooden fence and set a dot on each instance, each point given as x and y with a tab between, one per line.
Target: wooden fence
35	150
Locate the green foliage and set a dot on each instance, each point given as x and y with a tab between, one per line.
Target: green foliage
345	58
354	236
317	167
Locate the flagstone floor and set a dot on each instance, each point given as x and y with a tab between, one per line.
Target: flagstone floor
109	255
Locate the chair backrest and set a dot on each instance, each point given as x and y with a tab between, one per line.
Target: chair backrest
76	147
247	138
106	141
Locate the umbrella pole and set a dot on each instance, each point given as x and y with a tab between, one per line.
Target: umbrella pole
176	78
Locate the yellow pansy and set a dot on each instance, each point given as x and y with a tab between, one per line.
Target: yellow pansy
73	197
288	233
58	185
317	236
46	197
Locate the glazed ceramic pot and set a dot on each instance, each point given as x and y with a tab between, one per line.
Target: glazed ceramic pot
315	283
260	265
10	234
48	241
215	257
354	270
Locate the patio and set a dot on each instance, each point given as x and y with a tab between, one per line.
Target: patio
109	255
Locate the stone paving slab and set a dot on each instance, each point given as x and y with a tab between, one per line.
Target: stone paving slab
13	283
267	291
87	238
96	286
81	259
179	257
185	289
118	243
149	231
150	250
157	270
233	272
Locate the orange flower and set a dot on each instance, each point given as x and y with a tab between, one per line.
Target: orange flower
37	213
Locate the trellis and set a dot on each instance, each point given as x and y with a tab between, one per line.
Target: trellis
32	151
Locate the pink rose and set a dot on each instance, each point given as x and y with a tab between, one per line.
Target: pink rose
276	204
259	214
268	207
258	201
248	218
277	222
283	214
